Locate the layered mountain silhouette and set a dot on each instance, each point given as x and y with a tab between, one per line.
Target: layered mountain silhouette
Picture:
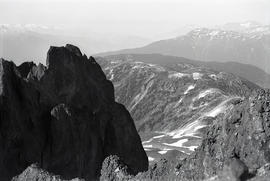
218	45
30	42
172	103
63	117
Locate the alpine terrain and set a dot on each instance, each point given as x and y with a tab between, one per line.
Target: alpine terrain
172	104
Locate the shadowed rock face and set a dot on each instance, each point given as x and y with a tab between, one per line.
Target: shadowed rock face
244	135
64	117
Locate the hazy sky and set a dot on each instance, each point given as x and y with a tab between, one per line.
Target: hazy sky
137	17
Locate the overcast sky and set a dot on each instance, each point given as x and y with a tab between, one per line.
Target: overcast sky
137	17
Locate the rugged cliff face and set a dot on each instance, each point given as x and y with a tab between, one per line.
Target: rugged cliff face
64	117
235	148
237	145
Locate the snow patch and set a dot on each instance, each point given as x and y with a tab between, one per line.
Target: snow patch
112	75
148	146
206	92
178	103
187	130
150	159
160	136
220	108
163	152
197	75
192	148
115	61
179	143
189	88
147	141
141	95
216	111
176	75
152	65
199	127
151	139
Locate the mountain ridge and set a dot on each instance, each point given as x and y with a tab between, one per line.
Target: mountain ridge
216	45
172	104
246	71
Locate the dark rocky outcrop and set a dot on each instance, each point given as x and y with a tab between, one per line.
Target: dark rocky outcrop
63	116
35	173
113	168
236	146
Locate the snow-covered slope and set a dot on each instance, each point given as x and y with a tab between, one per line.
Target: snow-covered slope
172	105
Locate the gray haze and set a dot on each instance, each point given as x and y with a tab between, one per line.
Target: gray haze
144	18
29	27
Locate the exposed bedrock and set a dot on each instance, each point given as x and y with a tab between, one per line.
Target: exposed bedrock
63	116
238	144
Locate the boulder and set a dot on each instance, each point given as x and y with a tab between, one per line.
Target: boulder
34	172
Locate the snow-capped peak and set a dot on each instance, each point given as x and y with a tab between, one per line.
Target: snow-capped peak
248	28
255	32
213	33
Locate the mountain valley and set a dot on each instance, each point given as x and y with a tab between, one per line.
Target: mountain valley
172	105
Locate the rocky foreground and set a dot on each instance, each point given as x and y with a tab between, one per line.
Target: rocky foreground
64	118
238	144
235	148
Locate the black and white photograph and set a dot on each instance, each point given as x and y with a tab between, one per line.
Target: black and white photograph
134	90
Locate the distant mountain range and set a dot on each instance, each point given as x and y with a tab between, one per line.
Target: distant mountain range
244	46
233	47
30	42
245	27
172	102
